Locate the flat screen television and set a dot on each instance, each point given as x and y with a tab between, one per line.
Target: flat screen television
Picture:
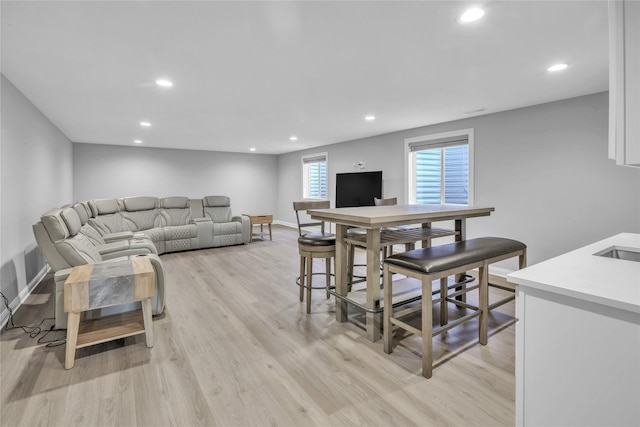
358	188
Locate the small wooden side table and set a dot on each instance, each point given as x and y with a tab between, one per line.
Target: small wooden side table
94	286
260	219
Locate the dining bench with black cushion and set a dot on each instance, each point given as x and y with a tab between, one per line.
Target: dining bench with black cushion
440	262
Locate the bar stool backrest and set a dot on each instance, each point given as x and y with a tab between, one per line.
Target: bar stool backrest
304	206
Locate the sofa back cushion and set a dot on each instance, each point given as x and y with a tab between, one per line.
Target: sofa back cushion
107	224
54	225
103	207
176	210
217	208
71	220
139	203
75	248
83	213
174	202
141	213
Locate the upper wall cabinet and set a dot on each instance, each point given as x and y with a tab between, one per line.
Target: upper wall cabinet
624	82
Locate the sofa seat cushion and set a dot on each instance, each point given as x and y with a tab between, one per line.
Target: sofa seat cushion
180	232
227	233
126	248
181	238
224	228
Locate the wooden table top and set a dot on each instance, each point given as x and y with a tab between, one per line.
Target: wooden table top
385	216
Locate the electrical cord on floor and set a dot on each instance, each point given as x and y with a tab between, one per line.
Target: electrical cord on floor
33	331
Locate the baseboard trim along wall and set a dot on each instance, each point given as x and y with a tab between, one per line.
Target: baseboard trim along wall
22	296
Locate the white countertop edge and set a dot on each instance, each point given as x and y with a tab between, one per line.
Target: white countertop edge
581	274
597	299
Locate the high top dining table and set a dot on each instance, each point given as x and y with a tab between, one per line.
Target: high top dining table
373	219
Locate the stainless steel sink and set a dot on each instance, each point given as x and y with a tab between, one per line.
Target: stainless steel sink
619	252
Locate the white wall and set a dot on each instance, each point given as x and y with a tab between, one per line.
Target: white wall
36	175
250	180
544	169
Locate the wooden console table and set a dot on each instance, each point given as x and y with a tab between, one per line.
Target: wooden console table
95	286
260	219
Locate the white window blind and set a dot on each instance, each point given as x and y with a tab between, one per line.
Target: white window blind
439	171
314	176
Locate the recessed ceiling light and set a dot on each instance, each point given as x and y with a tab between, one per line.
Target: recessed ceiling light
164	83
145	124
137	141
252	149
471	15
557	67
370	118
293	138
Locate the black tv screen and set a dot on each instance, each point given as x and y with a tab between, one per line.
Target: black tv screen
358	188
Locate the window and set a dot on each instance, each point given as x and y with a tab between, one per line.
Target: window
440	168
314	176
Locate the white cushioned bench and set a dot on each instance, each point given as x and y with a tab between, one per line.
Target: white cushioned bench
440	262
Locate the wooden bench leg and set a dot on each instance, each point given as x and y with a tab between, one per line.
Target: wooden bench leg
484	303
444	305
427	328
73	324
387	333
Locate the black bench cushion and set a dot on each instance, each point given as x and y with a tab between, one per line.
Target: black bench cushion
451	255
317	239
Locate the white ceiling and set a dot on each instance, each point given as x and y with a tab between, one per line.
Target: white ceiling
251	74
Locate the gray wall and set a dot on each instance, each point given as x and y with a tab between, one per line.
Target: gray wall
120	171
544	169
36	175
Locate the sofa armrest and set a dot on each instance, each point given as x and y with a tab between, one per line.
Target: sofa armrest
196	220
246	227
112	237
111	247
204	232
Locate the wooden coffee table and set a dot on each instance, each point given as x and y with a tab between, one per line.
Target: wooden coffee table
261	219
95	286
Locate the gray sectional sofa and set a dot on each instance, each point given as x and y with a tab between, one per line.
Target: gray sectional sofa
107	230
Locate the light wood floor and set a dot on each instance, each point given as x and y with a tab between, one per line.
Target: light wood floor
236	347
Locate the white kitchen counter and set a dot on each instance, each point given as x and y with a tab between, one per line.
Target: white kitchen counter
580	274
578	339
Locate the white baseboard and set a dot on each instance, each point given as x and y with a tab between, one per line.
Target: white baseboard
22	296
286	224
295	226
499	271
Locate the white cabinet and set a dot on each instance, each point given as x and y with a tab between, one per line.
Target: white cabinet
577	363
578	338
624	82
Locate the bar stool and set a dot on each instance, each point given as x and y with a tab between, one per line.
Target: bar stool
313	245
